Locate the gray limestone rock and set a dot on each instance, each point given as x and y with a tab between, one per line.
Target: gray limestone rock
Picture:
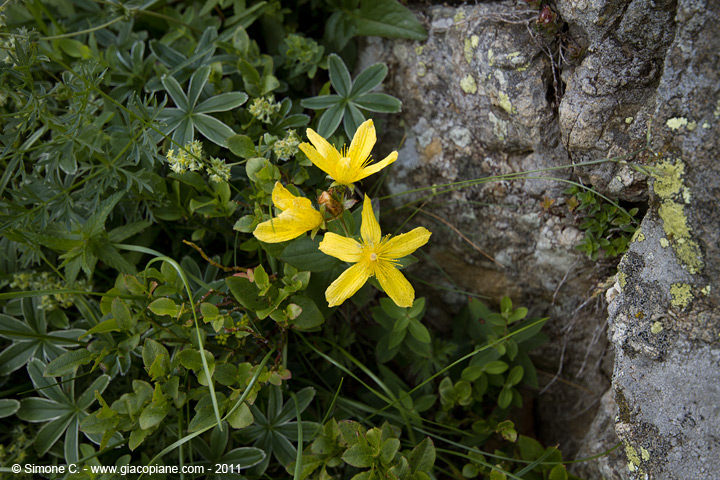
638	81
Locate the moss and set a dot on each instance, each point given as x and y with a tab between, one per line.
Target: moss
676	123
505	103
681	295
468	84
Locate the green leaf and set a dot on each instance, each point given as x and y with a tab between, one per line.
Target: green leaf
222	102
246	293
387	18
8	407
515	376
310	317
505	397
395	338
422	457
197	84
122	314
74	48
304	254
330	120
164	306
151	351
339	75
497	367
176	92
559	472
68	362
242	146
213	129
378	102
153	414
419	331
388	450
321	102
242	417
137	436
368	80
359	455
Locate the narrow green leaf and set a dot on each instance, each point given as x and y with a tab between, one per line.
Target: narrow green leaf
176	92
213	129
330	120
222	102
339	75
197	83
369	79
8	407
320	102
378	102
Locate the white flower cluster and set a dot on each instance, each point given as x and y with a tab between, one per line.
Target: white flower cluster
288	146
190	157
263	108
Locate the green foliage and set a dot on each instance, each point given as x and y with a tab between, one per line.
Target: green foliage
607	227
143	324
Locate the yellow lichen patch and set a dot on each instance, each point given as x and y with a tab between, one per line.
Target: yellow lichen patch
419	49
692	126
632	455
706	290
491	57
638	236
459	16
668	185
629	120
421	69
468	84
676	123
656	328
474	41
664	243
504	101
621	279
468	50
681	295
644	454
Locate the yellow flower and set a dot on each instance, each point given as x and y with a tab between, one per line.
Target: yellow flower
297	217
373	256
351	165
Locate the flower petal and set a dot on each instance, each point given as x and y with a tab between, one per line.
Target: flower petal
317	159
347	284
281	197
370	229
346	249
376	167
362	143
405	244
395	284
324	155
291	223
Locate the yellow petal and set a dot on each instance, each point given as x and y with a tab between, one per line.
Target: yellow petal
281	197
376	167
291	223
395	284
347	284
327	156
362	143
370	229
405	244
316	158
345	172
346	249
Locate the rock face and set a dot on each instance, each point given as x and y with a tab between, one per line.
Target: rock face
488	94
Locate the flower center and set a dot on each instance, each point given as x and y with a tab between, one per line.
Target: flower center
373	256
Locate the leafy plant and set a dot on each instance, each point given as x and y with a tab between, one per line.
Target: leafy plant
352	97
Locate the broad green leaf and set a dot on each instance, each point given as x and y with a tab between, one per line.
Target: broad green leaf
558	472
152	415
241	418
339	75
242	146
304	254
310	316
151	351
68	362
497	367
388	450
121	313
164	306
222	102
74	48
505	397
387	18
246	293
515	376
422	457
419	331
359	455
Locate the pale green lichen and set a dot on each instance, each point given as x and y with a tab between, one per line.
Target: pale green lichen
676	122
468	84
474	41
656	328
706	290
419	49
500	126
459	16
681	295
706	125
632	455
664	243
691	126
629	120
491	57
669	187
644	454
621	278
638	236
505	103
468	50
